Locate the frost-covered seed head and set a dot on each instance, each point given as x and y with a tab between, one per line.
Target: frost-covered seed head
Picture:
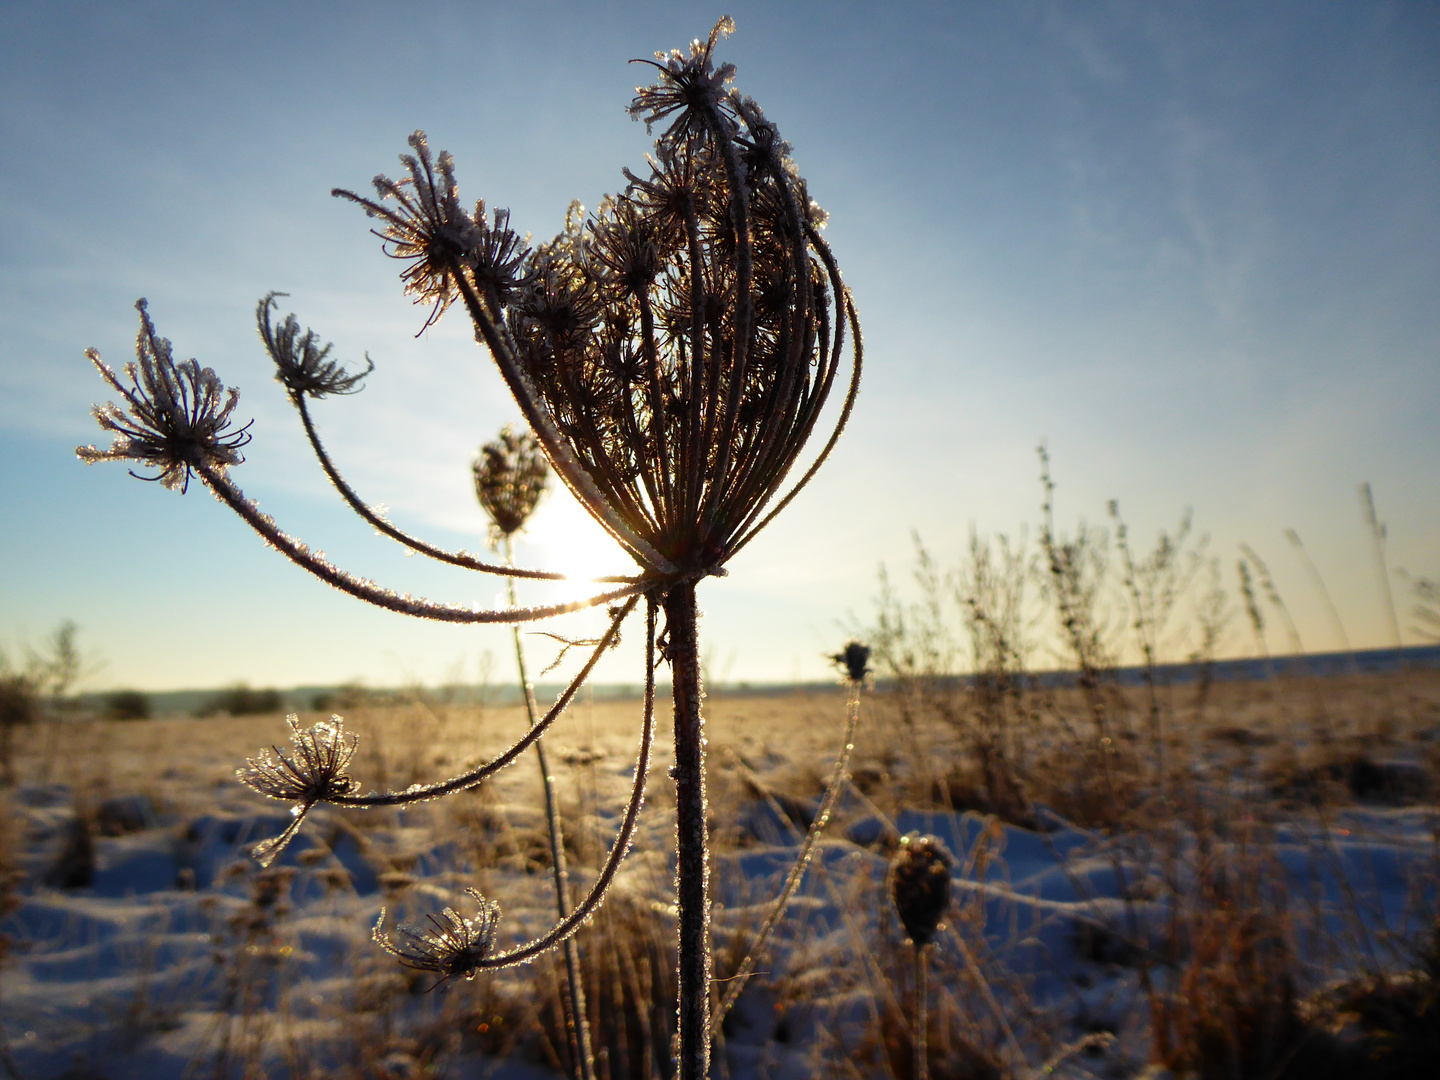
302	364
690	85
176	417
675	350
920	886
431	231
511	474
453	945
315	772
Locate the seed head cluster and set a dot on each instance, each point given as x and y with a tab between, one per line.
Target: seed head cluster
313	772
175	417
854	660
511	474
677	345
920	886
302	365
432	233
452	946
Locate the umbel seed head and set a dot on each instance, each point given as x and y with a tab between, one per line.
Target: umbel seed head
674	350
920	886
302	365
452	946
176	417
510	476
313	772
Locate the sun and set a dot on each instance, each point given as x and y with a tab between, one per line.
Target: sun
562	536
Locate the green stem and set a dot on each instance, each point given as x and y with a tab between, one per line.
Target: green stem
692	880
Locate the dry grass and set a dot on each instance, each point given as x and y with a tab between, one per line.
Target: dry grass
1232	986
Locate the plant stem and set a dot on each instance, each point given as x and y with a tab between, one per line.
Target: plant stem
692	880
577	1020
922	1058
802	862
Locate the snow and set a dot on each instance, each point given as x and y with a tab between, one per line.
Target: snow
180	951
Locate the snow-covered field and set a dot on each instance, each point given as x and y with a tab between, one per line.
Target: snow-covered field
1252	884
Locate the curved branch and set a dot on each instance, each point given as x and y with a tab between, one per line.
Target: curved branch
767	461
665	510
422	792
454	558
801	335
702	375
858	353
301	555
566	927
744	307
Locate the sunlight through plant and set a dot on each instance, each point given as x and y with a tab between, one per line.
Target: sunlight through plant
511	474
672	353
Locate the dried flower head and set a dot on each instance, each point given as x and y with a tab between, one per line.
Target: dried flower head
854	659
431	231
511	474
315	773
453	946
496	259
302	364
920	886
175	418
689	84
685	338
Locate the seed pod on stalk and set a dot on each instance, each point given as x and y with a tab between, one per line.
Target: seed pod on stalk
920	891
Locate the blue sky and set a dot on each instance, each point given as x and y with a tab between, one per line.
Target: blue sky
1195	248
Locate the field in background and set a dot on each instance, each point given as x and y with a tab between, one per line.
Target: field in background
1164	863
1263	900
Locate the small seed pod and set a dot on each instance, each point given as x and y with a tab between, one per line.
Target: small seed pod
855	660
920	886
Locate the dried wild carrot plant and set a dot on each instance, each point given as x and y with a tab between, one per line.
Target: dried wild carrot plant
672	354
